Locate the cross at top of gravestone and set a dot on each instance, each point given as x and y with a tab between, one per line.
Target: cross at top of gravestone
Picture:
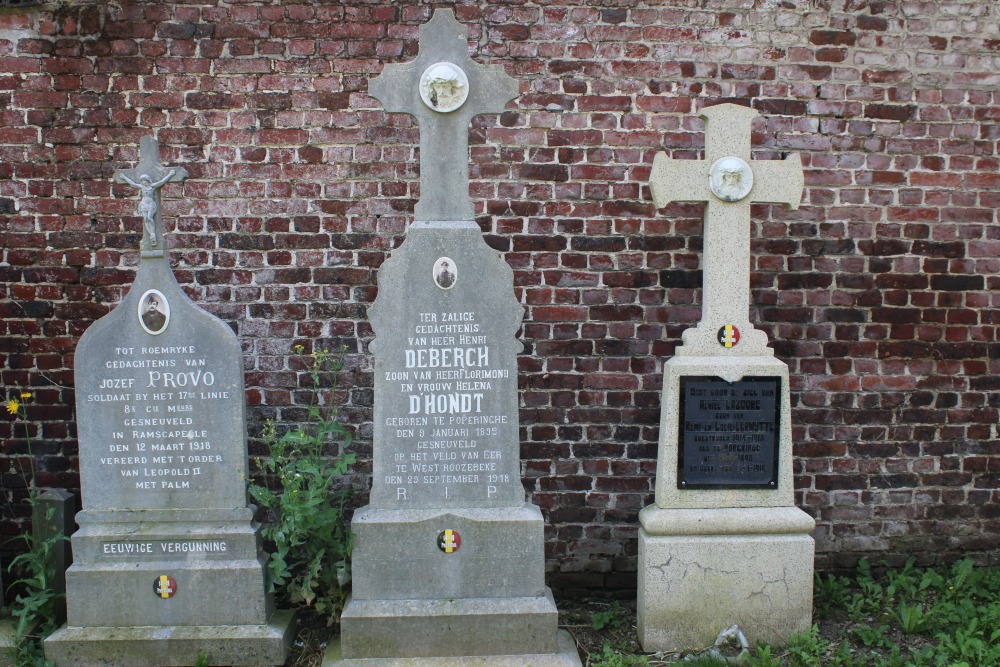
730	182
149	177
443	89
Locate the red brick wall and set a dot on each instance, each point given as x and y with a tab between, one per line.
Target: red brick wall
880	292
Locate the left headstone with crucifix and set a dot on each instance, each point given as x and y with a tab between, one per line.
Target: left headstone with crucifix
448	566
724	544
167	561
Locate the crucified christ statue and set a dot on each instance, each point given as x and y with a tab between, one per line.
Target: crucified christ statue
148	205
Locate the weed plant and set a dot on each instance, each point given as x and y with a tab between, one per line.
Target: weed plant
310	565
35	604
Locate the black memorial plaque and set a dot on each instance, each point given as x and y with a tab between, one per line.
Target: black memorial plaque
729	433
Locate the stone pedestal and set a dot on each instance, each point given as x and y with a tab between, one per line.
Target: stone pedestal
488	598
705	570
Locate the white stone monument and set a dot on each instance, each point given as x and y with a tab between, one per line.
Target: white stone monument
449	559
724	543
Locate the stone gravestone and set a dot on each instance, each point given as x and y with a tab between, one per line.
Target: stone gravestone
167	560
52	517
448	560
724	544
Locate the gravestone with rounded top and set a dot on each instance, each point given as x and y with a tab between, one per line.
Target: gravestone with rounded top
724	543
167	560
448	565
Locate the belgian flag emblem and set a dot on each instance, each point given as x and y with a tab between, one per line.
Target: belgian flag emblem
164	586
449	541
729	336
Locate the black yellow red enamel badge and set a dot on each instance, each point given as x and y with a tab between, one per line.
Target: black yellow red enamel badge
165	586
449	541
729	336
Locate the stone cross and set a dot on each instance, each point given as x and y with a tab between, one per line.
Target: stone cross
443	89
730	182
149	177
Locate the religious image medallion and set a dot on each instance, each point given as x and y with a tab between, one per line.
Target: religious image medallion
444	87
730	179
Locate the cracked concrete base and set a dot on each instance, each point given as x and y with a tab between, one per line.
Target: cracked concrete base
701	571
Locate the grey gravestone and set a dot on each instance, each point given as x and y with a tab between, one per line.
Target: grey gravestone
53	518
724	543
449	558
167	559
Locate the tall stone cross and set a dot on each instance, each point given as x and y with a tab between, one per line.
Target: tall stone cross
730	182
443	89
149	176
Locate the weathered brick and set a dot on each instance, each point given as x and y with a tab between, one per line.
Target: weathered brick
878	291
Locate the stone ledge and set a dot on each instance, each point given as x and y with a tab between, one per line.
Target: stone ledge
567	656
657	521
449	627
173	646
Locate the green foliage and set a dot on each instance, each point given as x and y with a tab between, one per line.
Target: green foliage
762	658
612	658
912	618
311	563
806	649
610	618
829	593
705	660
201	660
36	603
874	635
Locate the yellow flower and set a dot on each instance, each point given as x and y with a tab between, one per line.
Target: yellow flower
12	406
25	394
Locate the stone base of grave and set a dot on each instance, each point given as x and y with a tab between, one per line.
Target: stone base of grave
449	627
170	646
704	570
217	567
565	655
414	603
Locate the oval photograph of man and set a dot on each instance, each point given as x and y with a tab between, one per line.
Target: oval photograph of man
445	273
154	312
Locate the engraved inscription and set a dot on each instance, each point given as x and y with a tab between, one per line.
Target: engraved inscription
728	432
160	437
444	387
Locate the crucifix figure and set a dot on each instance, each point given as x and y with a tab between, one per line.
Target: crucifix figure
149	177
443	89
729	181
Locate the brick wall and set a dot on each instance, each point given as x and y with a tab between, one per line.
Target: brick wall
880	292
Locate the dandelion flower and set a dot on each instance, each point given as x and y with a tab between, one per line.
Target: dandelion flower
25	394
12	406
